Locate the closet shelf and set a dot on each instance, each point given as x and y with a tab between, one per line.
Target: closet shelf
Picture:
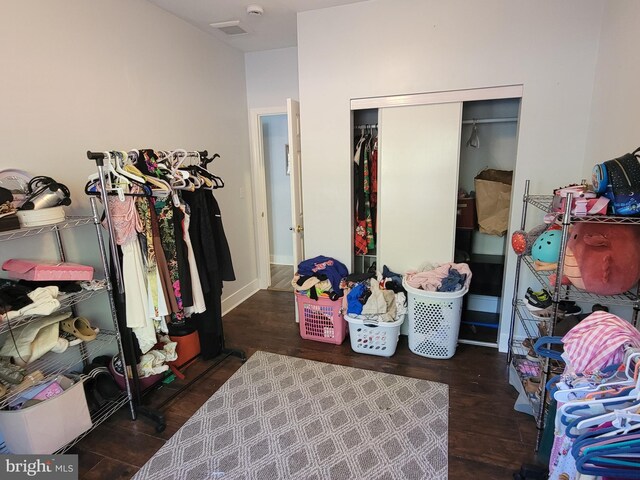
54	364
567	291
97	417
70	222
66	301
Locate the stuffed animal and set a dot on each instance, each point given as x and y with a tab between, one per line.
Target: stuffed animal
603	258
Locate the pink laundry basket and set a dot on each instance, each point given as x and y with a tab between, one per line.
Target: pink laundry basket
321	320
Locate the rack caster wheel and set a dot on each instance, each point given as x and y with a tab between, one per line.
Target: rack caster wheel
161	427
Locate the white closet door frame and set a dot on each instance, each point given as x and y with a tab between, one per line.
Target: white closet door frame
449	96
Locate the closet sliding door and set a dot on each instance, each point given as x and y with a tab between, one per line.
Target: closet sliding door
419	149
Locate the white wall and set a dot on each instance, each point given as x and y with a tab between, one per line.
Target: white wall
613	129
272	77
122	74
412	46
275	137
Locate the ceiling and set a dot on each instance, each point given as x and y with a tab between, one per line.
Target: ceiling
275	28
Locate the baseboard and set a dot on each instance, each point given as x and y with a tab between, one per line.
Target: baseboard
236	298
483	303
282	259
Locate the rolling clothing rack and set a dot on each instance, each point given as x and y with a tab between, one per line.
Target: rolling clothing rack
119	304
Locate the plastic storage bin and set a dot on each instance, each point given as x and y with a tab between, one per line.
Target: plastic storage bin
321	319
434	321
372	337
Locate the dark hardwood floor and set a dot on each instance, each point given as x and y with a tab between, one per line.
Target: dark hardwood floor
487	438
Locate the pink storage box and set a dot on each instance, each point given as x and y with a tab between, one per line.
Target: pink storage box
39	270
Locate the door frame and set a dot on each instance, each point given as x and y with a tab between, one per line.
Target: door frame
260	205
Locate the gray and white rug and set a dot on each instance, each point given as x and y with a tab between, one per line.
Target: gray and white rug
282	417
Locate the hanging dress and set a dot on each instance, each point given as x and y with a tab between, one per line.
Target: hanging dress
126	225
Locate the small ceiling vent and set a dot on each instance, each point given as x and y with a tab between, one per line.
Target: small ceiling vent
231	28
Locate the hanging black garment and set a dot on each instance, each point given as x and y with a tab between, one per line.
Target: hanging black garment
183	260
213	257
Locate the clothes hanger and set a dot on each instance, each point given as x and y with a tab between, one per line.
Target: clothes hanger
474	140
628	413
119	159
566	395
219	183
597	407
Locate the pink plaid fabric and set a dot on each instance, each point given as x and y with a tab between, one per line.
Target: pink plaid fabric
599	341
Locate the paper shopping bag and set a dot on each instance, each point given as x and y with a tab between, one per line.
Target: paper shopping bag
493	198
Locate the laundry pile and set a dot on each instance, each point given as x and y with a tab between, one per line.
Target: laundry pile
448	277
320	276
381	297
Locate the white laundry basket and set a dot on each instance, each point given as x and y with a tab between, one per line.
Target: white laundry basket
372	337
434	321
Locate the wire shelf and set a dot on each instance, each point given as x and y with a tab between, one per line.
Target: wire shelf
543	202
70	222
54	364
66	301
533	326
568	291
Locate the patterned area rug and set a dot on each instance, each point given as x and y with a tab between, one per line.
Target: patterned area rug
281	417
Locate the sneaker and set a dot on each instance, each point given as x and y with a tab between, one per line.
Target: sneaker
599	308
539	300
70	337
568	307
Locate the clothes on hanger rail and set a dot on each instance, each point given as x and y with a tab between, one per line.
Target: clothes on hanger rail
172	248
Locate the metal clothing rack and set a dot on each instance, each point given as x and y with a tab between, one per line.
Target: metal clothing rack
118	303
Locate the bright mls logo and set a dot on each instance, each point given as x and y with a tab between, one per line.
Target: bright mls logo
51	467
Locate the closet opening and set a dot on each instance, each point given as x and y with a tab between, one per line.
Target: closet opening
365	185
488	141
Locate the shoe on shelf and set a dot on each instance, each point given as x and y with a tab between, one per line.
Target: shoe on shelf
532	385
599	308
31	379
79	327
100	386
10	372
71	338
542	315
538	300
528	343
568	307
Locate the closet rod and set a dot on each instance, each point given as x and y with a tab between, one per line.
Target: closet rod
100	156
367	125
490	120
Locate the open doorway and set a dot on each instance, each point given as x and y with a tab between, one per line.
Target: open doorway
277	186
275	146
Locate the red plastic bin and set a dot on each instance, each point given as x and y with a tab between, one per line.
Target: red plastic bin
321	320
